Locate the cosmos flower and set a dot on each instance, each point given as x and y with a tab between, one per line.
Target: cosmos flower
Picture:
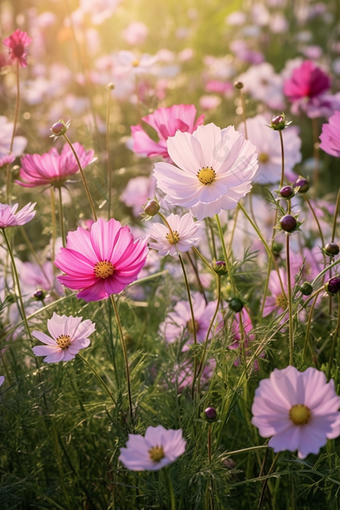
184	375
137	193
2	379
330	136
135	33
10	218
101	262
17	44
215	171
299	411
157	449
68	336
165	121
182	237
6	131
263	84
52	169
306	82
7	160
277	301
269	151
179	322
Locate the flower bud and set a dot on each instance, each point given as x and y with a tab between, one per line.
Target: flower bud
110	85
302	184
152	207
220	267
286	192
238	85
332	287
210	413
288	223
331	249
59	128
306	288
236	304
39	295
278	122
277	249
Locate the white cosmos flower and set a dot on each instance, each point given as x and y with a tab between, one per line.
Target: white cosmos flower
216	167
182	237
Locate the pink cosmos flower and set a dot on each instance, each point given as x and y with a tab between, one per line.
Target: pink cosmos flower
330	136
9	217
216	167
135	33
69	335
51	168
165	121
299	410
6	130
17	44
7	160
179	322
182	237
307	82
264	84
2	379
137	193
101	262
185	374
157	449
277	301
269	151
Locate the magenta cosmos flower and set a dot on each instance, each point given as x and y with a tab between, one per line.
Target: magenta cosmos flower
10	218
299	410
68	336
157	449
330	136
182	238
101	262
17	44
52	169
165	121
307	82
216	167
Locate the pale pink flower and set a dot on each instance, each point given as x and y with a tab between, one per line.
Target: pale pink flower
183	236
6	130
52	169
17	44
215	171
7	160
269	150
2	379
10	218
137	193
263	84
101	262
277	301
330	136
165	121
135	64
135	33
185	374
99	10
299	411
157	449
68	336
209	102
179	324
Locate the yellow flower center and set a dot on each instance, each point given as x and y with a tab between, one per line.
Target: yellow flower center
300	414
103	269
190	326
206	175
173	237
263	157
281	301
64	341
156	453
135	63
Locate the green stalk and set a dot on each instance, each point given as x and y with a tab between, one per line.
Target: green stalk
61	218
171	490
82	176
99	378
290	305
16	115
54	225
335	336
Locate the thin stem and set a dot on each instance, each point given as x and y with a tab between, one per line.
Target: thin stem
199	283
17	284
32	250
233	230
212	238
265	483
54	225
99	378
171	490
309	323
204	260
244	114
16	115
335	335
209	443
109	170
335	215
282	160
315	218
83	177
127	370
290	305
61	217
316	151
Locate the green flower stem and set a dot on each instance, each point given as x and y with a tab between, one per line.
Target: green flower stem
335	336
127	370
171	489
83	177
109	169
61	217
233	230
336	215
34	253
17	285
290	305
16	115
315	218
212	237
244	117
199	283
265	483
282	160
309	323
204	260
315	128
99	378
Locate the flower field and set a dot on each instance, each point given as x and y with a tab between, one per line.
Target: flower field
169	241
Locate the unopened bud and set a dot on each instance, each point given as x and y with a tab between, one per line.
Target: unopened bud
238	85
210	414
306	288
236	304
278	122
152	207
288	223
303	185
39	295
287	192
332	287
331	249
220	267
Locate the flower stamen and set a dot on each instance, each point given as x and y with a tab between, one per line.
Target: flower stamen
103	269
156	453
300	414
173	237
206	175
63	341
281	301
263	157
